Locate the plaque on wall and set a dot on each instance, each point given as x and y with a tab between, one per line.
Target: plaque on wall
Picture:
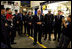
25	3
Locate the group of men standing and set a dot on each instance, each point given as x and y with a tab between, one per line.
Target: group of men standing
47	22
33	25
9	25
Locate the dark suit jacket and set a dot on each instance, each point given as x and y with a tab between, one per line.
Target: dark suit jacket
17	18
25	19
67	31
36	19
4	33
58	21
29	19
49	18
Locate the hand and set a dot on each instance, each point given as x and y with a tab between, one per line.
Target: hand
13	17
30	23
39	22
17	21
63	21
10	34
6	24
25	21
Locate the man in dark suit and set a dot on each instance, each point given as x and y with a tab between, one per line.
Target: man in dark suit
48	24
21	22
66	35
25	22
57	26
4	26
30	23
9	18
37	21
43	24
18	18
13	30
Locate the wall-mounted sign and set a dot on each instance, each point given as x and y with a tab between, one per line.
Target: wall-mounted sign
16	3
25	3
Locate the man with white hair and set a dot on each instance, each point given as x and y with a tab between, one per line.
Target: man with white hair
37	21
49	17
30	23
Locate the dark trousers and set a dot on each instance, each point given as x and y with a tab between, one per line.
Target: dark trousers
48	29
30	28
13	34
8	29
39	35
4	45
25	28
6	36
18	29
21	27
64	41
43	30
57	30
49	36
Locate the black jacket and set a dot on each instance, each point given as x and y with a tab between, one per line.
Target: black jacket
4	33
67	31
49	18
29	19
17	18
58	21
25	19
36	19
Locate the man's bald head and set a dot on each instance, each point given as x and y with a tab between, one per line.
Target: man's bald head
38	11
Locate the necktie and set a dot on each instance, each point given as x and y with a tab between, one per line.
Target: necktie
39	17
21	16
58	16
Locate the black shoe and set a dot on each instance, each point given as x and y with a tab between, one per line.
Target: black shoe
34	43
50	39
25	35
54	39
20	35
42	35
58	40
40	42
9	47
31	35
57	47
13	43
44	38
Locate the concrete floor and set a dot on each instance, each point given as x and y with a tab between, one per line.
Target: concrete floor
26	42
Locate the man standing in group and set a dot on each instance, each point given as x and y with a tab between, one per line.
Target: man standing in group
17	19
21	22
48	24
30	24
57	27
5	40
8	15
37	21
25	22
13	30
9	20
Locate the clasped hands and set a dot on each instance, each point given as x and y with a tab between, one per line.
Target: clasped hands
39	23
